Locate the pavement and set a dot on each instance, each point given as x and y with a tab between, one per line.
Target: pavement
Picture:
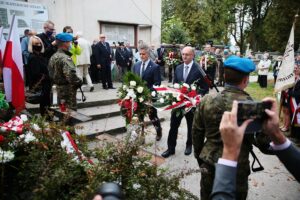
274	182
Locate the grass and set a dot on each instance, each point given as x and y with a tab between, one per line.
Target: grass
258	93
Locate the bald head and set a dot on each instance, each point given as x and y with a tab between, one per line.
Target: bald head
187	54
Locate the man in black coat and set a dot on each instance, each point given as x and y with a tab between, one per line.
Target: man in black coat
161	53
103	61
149	72
188	73
48	40
122	59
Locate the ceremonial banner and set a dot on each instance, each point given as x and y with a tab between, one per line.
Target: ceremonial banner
286	77
13	69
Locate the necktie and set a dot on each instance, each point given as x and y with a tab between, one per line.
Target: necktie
186	71
143	69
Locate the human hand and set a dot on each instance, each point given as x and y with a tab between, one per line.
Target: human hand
271	124
97	197
98	66
53	43
232	134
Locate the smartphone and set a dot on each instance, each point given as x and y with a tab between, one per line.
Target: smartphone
253	110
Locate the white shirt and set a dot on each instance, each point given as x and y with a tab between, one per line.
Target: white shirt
189	69
146	64
263	67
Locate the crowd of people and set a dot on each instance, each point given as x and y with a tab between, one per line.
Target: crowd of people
66	59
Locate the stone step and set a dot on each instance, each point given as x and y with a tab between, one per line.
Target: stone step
109	125
34	108
100	112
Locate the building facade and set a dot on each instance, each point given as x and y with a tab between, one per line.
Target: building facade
121	20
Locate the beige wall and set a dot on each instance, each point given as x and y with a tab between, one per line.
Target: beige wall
84	15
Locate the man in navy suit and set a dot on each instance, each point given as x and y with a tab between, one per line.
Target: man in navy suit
149	72
189	73
103	60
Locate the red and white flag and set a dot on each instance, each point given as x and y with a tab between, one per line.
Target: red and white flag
13	69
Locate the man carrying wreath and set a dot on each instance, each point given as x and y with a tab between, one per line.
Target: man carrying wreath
149	72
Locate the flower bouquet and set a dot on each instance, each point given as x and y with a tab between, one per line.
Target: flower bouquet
172	59
207	61
133	95
4	107
180	98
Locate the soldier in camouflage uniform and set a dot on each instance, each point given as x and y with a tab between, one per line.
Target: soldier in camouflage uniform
206	125
63	72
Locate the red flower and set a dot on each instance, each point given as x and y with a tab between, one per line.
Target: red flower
1	138
184	90
192	93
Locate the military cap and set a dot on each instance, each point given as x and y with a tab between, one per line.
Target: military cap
64	37
240	64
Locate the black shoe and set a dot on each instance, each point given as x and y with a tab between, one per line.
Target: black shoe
188	150
92	89
159	134
105	87
167	153
111	87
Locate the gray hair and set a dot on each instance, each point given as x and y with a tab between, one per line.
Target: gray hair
144	47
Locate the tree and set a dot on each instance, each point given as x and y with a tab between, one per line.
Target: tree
278	23
174	32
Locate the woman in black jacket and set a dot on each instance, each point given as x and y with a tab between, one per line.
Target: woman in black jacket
38	73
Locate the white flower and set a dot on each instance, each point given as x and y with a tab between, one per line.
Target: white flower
176	86
132	83
36	127
163	93
167	96
124	87
127	97
186	85
131	93
119	94
29	137
141	99
6	156
140	89
173	103
161	100
178	98
193	87
174	95
24	118
153	93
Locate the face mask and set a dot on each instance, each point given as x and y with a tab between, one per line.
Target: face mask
49	33
37	48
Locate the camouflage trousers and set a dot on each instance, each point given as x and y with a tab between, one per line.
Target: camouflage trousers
67	93
207	182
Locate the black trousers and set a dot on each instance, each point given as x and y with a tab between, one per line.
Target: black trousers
172	69
262	80
106	76
154	119
175	123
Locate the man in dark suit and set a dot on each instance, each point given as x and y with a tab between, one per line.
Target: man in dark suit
149	72
188	72
232	136
122	58
161	53
103	61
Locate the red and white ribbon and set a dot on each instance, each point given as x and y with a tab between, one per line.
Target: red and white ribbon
15	124
188	102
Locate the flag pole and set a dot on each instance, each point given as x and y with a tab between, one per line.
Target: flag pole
11	25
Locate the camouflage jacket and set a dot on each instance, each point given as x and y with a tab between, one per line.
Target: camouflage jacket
206	125
62	69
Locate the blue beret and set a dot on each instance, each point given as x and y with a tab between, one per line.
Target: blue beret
64	37
240	64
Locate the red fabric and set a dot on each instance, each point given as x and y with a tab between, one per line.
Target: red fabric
17	83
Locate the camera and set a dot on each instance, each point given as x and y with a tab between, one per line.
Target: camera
253	110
